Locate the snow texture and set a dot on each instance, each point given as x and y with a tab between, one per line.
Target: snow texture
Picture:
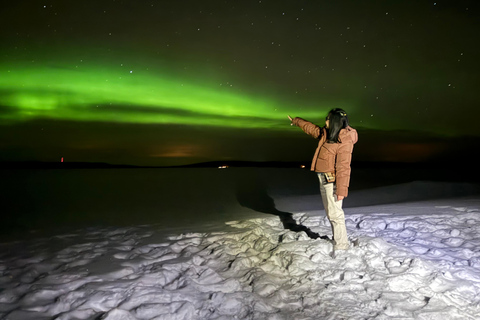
417	260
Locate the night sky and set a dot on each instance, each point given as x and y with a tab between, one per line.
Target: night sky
177	82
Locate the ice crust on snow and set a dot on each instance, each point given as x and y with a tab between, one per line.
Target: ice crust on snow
413	261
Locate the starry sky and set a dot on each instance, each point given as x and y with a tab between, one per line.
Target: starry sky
178	82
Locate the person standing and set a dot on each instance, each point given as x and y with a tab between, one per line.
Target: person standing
331	162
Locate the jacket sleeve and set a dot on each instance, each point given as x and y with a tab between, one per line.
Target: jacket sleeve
308	127
342	167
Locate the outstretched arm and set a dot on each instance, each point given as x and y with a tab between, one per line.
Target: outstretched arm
308	127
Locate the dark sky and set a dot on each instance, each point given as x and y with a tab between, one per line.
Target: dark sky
176	82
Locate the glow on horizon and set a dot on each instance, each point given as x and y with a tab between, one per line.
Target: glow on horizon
116	94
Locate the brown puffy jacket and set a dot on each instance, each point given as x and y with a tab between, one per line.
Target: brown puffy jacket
332	157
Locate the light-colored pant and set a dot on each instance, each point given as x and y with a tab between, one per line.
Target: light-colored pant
334	212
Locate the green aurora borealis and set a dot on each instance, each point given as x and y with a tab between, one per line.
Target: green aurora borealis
117	94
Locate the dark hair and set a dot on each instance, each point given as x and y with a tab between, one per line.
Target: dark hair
338	120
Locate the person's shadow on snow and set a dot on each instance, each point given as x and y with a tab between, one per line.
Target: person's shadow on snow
252	193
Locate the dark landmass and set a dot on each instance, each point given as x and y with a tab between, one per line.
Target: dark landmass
61	165
101	165
473	170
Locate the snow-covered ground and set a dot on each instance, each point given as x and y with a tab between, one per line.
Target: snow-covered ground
411	260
